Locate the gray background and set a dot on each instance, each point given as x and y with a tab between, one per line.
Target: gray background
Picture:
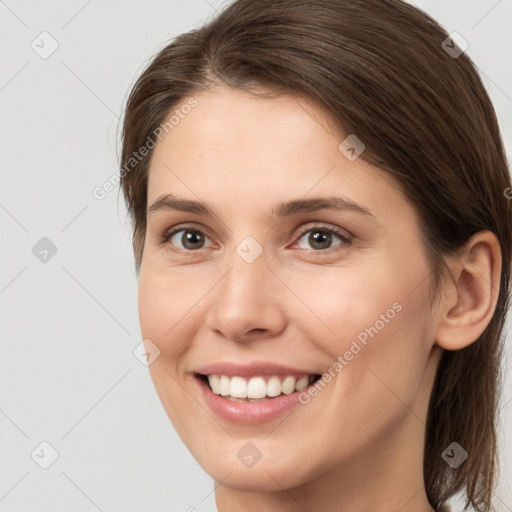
69	325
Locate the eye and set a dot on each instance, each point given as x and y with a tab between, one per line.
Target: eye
321	237
190	238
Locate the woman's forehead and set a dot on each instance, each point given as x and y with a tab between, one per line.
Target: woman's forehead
236	145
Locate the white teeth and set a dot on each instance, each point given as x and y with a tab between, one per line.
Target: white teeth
288	385
238	387
256	389
224	385
214	381
273	387
301	383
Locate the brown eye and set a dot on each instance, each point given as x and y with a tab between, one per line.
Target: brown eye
190	239
321	238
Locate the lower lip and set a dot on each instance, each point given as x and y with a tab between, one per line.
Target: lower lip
246	413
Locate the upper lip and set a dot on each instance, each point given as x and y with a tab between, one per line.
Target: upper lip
251	369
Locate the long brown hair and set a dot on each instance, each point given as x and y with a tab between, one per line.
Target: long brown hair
384	71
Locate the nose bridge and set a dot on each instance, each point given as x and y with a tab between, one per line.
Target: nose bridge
246	298
248	271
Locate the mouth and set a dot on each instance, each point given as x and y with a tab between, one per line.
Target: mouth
257	388
255	392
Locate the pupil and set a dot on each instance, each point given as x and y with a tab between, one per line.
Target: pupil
320	237
191	237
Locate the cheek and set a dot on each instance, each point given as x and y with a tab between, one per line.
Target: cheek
382	363
166	307
373	320
163	305
339	305
152	298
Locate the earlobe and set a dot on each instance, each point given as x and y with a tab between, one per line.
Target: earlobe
469	300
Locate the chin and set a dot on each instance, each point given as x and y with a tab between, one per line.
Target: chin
270	474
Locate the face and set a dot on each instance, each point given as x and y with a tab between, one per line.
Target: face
297	262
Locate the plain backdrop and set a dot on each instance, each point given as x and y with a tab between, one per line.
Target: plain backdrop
74	397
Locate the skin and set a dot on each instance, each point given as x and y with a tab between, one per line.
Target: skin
358	445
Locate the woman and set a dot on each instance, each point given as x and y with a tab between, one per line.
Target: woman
322	238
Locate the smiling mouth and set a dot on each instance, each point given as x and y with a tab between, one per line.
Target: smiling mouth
258	388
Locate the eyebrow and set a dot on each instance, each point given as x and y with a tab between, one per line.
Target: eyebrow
170	202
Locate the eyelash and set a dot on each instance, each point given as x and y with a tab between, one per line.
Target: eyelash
345	239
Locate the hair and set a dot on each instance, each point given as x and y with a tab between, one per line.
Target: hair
380	70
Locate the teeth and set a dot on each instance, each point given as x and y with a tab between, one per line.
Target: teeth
255	389
288	385
273	387
302	383
239	388
224	385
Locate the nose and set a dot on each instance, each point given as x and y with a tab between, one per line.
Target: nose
245	304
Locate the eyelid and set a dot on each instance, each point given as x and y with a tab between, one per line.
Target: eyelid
342	233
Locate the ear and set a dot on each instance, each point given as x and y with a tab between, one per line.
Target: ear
469	300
